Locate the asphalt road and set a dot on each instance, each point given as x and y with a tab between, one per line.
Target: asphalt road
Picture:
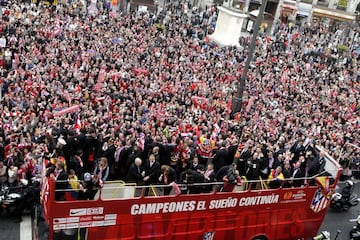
9	229
341	220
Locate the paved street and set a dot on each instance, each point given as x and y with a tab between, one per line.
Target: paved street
10	230
336	220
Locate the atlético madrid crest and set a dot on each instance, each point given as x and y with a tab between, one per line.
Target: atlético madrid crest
320	201
209	236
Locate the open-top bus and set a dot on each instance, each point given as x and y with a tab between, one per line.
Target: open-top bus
249	212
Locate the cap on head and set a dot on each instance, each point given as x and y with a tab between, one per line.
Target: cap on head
87	177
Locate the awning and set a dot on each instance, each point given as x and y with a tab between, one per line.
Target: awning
288	6
288	9
333	14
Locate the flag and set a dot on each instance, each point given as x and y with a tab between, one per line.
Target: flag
175	188
77	125
352	107
67	110
141	141
319	201
205	147
200	102
323	182
215	132
141	71
209	235
193	86
67	96
285	76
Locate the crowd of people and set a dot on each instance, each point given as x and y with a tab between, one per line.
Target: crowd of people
147	98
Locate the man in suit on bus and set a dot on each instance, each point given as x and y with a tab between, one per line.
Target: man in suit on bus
296	174
61	177
134	174
242	157
152	172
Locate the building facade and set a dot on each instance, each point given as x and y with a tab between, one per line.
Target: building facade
244	14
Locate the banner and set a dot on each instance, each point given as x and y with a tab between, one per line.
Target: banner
67	110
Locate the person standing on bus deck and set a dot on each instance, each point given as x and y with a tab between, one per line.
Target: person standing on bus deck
167	176
242	156
231	177
61	177
152	172
297	150
287	172
102	170
275	178
317	165
194	164
252	167
134	174
192	181
88	187
221	156
297	174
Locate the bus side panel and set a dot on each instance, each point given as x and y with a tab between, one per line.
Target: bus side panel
278	214
281	224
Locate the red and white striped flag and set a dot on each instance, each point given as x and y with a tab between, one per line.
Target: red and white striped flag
215	132
285	76
67	110
67	96
175	188
77	125
141	141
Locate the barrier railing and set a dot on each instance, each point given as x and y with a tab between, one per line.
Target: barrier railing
121	190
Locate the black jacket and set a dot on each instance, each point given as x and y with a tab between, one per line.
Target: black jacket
153	172
220	158
134	174
61	184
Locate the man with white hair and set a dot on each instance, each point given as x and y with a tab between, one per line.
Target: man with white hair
134	174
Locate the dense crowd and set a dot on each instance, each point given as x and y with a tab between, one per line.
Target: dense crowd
147	98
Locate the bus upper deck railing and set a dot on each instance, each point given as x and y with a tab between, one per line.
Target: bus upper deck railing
121	190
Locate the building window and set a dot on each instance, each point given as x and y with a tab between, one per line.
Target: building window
323	3
238	4
342	4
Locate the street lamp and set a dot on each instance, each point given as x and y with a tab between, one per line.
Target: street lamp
237	99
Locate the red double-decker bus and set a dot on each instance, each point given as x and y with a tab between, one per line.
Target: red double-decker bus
248	212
